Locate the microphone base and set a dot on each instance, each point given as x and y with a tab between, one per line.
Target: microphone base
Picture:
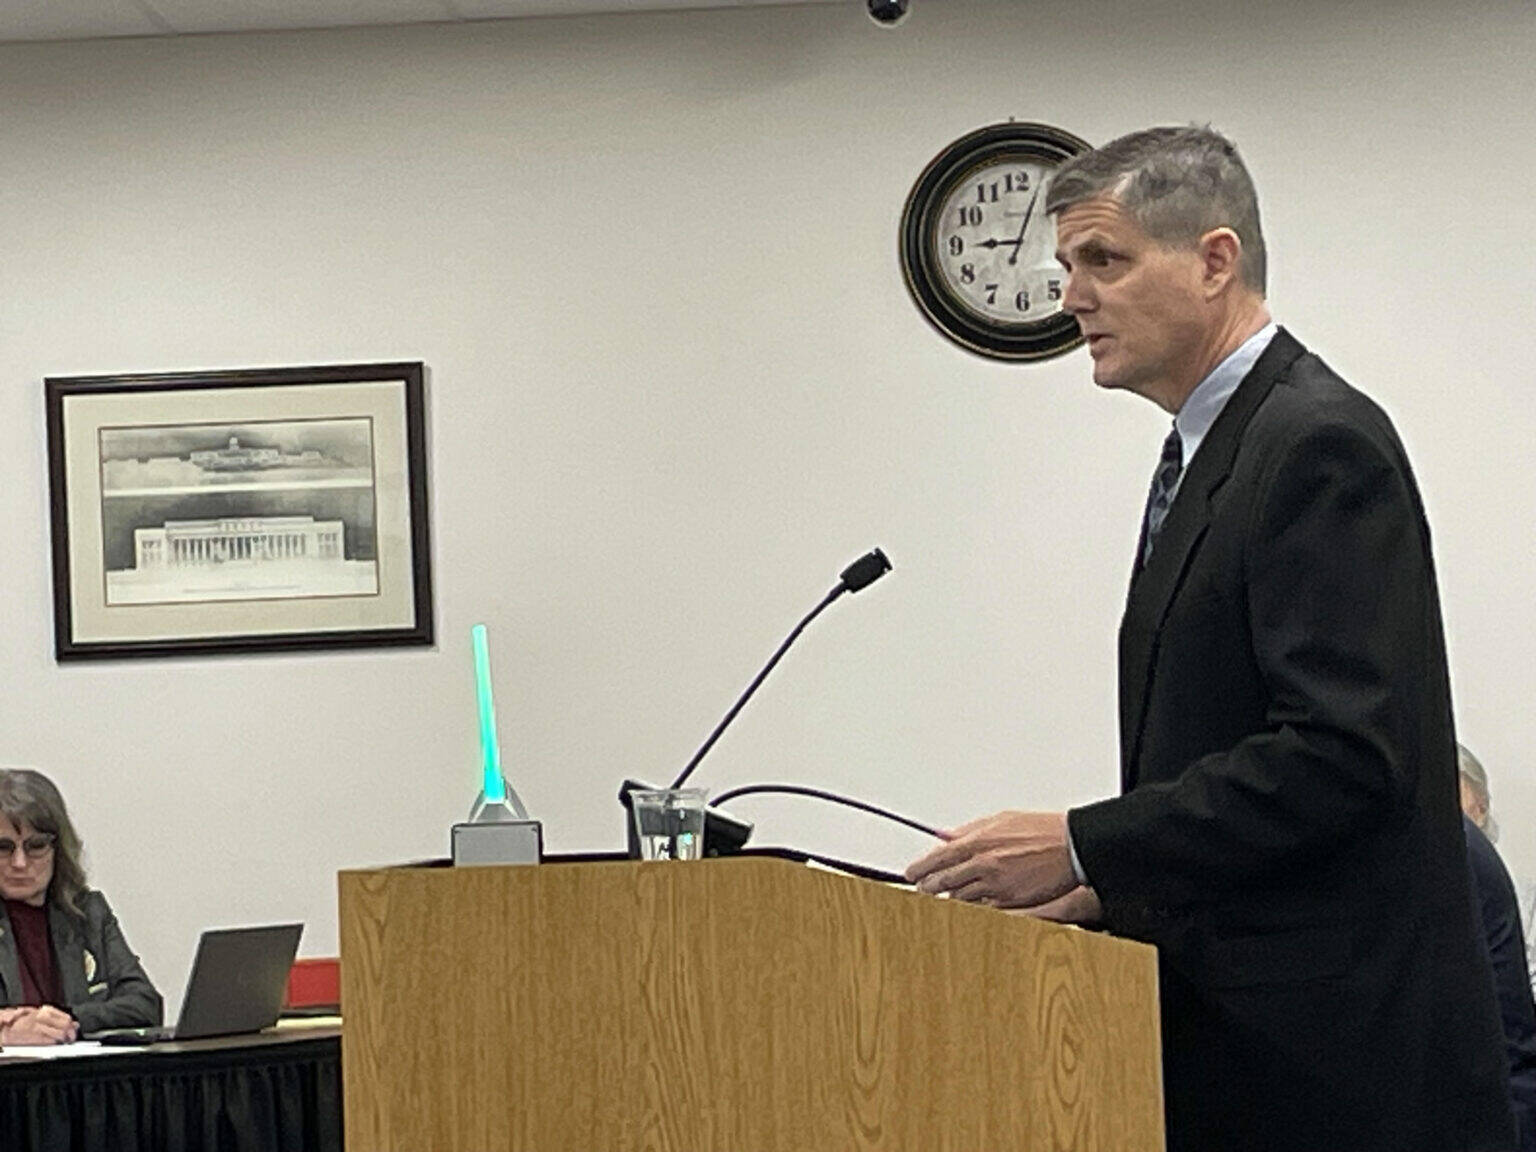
724	835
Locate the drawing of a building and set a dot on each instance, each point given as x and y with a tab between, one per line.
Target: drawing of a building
248	539
235	458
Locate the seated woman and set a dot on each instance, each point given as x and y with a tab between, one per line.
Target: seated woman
65	967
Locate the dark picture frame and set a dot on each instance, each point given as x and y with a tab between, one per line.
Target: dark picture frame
247	510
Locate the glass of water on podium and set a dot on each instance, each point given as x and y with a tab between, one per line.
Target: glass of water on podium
669	822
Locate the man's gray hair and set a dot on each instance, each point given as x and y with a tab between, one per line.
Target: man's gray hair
1472	768
1177	183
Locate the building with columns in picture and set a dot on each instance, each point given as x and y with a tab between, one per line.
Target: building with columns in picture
252	539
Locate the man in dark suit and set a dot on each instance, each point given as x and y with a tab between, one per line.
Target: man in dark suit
1498	925
1288	833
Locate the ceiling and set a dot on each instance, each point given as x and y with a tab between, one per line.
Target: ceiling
93	19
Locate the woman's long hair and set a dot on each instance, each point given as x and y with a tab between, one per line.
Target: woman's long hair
29	797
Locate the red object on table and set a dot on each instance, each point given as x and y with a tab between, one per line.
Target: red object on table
313	982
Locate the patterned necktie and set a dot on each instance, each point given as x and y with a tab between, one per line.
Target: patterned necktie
1164	481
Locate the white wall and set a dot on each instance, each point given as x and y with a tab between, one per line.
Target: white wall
676	384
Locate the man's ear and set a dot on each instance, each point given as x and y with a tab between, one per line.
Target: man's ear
1220	254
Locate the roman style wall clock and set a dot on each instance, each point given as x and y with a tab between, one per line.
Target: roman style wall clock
978	251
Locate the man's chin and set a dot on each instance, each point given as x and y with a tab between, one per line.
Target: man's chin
1112	376
1106	377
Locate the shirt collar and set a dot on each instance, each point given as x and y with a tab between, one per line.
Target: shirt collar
1210	396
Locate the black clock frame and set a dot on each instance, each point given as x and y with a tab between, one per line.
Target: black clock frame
1026	340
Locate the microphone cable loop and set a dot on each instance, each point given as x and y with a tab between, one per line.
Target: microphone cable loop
823	794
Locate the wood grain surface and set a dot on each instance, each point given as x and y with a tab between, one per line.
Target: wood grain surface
737	1005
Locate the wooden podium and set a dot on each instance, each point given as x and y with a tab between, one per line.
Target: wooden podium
748	1004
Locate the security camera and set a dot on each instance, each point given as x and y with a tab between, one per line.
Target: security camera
887	13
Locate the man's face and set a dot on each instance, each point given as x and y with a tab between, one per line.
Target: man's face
1139	303
1473	803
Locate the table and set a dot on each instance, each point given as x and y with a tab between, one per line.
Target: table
278	1091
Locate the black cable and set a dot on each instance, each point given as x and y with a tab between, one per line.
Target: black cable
819	794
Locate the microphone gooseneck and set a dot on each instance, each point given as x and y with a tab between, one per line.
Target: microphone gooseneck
860	574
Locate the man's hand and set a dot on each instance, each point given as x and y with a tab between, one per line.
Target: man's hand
1010	860
1079	906
45	1025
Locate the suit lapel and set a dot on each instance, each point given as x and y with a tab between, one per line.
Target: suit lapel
69	954
1154	586
10	966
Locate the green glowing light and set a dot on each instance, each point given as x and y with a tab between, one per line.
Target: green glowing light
490	753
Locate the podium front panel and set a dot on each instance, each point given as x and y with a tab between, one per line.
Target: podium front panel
734	1005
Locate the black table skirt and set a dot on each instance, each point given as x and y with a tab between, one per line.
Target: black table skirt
282	1096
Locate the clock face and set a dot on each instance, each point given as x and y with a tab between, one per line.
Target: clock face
978	251
995	248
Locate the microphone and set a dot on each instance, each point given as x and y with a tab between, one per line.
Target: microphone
863	572
724	834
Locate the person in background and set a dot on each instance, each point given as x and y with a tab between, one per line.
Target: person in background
65	967
1497	915
1475	803
1477	806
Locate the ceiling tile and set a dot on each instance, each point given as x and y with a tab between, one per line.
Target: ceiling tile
73	19
22	20
494	9
256	15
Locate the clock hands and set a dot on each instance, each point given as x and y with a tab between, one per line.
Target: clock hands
1018	241
1028	212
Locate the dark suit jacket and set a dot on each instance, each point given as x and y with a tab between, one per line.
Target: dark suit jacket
104	985
1498	923
1288	834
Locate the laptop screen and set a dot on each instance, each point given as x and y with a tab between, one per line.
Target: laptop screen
237	980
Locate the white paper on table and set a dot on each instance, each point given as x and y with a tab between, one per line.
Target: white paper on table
58	1051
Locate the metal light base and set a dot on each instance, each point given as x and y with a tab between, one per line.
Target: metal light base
497	842
497	832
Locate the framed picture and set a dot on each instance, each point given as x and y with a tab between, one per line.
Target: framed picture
212	512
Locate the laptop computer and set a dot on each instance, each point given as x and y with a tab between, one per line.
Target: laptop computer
236	985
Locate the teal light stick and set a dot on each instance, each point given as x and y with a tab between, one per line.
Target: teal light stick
499	830
494	790
498	801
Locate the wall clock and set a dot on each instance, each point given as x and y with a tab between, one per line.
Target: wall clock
978	252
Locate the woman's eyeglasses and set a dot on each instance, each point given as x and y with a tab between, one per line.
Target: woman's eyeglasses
36	845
